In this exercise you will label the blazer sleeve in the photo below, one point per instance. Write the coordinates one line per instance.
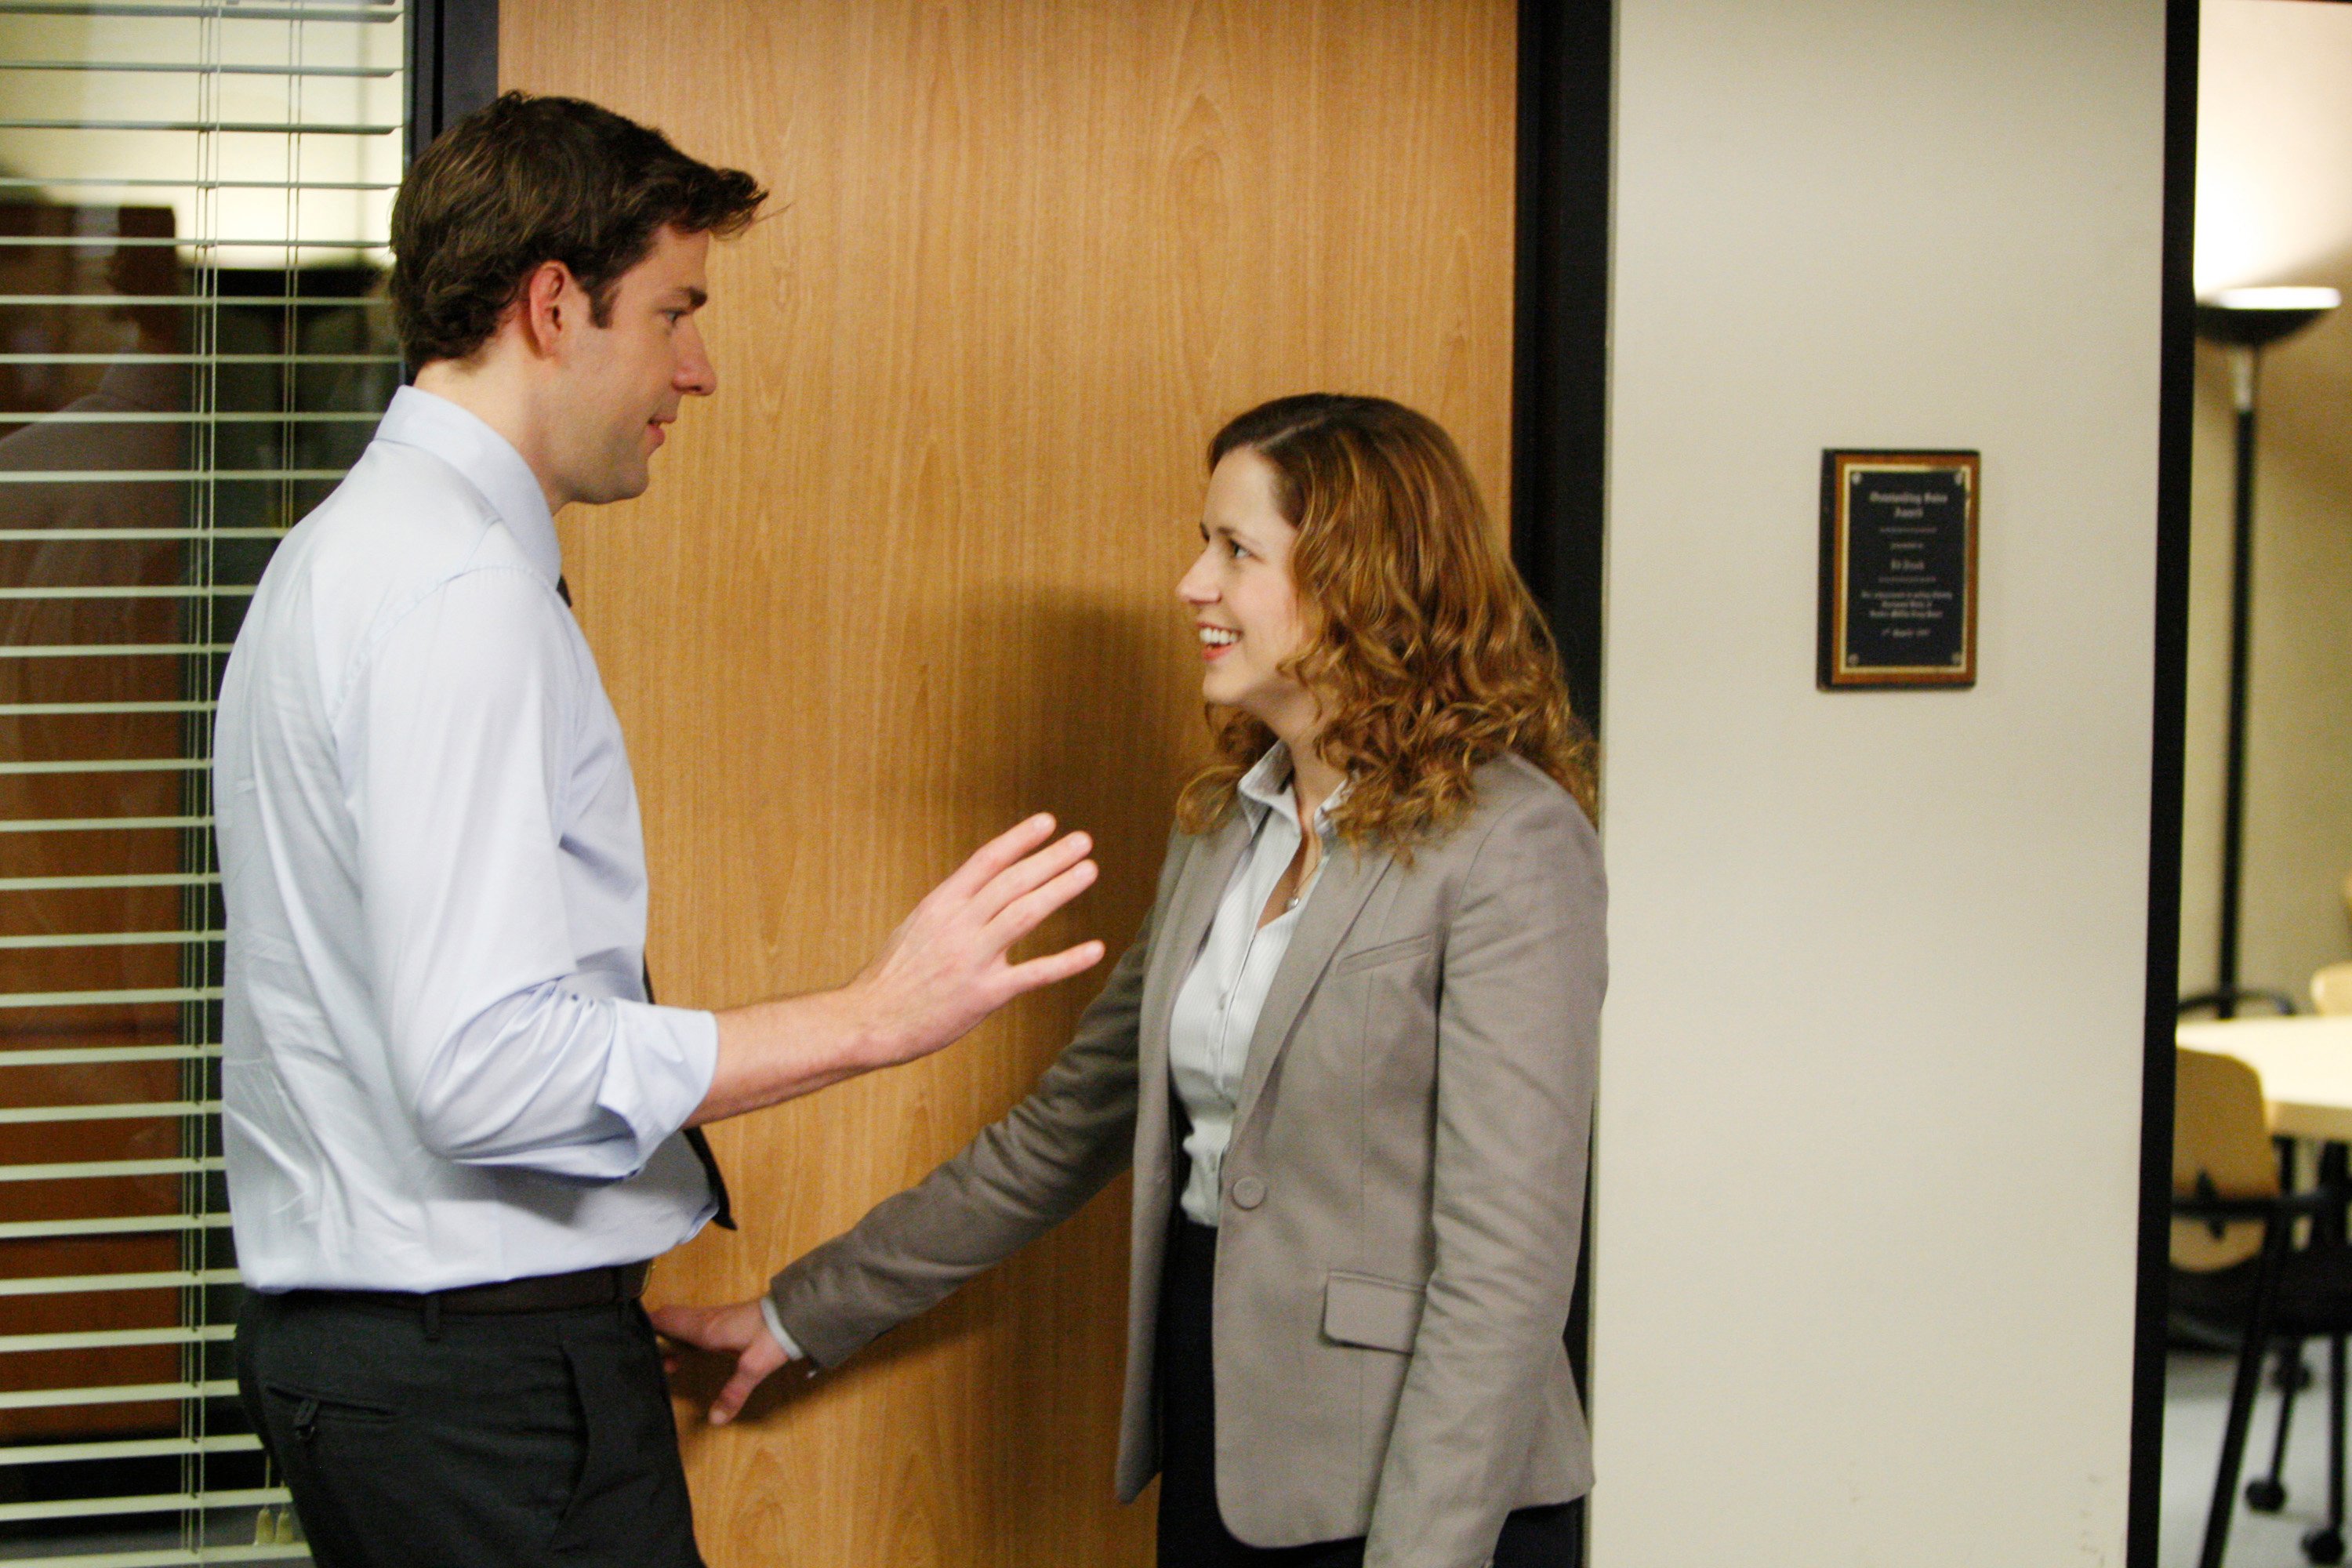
(1518, 1020)
(1020, 1177)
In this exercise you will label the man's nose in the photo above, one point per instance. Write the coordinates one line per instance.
(697, 377)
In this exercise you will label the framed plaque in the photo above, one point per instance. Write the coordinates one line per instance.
(1899, 601)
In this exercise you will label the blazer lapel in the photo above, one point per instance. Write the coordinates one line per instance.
(1347, 879)
(1191, 907)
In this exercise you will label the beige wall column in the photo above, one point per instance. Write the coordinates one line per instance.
(1871, 1066)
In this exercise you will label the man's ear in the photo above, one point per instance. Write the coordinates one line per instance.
(551, 302)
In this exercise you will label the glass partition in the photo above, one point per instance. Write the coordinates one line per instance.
(194, 205)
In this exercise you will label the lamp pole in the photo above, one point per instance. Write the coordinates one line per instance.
(2245, 371)
(2246, 320)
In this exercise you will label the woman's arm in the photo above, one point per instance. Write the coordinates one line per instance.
(1020, 1177)
(1517, 1023)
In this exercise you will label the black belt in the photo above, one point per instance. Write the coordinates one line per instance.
(540, 1293)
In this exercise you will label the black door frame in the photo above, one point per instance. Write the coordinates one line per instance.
(1561, 349)
(2174, 429)
(453, 64)
(1559, 383)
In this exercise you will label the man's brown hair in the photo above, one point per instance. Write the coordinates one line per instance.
(524, 181)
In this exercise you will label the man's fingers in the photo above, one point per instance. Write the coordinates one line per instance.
(1031, 873)
(997, 854)
(1053, 968)
(1023, 914)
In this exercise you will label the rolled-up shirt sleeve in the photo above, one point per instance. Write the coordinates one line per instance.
(456, 736)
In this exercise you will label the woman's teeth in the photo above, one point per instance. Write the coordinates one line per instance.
(1215, 636)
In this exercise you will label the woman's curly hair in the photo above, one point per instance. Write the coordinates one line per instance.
(1423, 646)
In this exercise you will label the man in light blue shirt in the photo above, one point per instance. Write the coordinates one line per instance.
(456, 1125)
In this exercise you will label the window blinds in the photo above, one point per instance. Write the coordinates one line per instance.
(194, 205)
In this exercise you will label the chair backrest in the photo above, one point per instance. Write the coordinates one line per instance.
(2331, 988)
(2221, 1134)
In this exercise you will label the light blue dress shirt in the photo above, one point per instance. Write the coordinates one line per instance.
(439, 1069)
(1217, 1007)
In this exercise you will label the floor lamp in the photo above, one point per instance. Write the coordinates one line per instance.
(2246, 321)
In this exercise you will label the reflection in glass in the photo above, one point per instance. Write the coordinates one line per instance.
(170, 403)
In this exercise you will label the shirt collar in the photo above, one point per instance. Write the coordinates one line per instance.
(489, 462)
(1266, 786)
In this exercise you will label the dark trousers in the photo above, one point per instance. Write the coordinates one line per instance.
(515, 1439)
(1193, 1532)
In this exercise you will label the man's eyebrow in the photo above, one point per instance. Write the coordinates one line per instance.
(695, 298)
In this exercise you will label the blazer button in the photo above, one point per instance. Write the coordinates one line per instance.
(1248, 1193)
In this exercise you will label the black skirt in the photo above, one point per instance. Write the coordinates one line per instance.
(1193, 1532)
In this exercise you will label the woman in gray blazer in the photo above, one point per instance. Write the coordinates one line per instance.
(1350, 1057)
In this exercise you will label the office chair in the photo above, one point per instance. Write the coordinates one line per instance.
(2331, 989)
(2238, 1275)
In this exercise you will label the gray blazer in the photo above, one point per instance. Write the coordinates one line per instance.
(1403, 1194)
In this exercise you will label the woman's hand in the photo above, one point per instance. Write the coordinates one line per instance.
(740, 1330)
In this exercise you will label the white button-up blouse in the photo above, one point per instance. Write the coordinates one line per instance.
(1218, 1005)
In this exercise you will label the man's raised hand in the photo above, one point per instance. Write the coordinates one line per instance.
(944, 968)
(942, 971)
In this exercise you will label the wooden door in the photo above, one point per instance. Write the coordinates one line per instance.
(910, 576)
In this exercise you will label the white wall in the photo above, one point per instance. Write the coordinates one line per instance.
(1870, 1080)
(2274, 205)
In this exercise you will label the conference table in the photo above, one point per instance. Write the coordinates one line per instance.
(2305, 1063)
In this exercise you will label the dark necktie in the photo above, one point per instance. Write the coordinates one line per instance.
(695, 1140)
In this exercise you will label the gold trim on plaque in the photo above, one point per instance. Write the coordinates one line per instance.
(1844, 470)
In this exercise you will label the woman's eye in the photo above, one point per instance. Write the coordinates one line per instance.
(1238, 550)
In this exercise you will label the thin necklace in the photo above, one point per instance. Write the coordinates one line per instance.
(1305, 872)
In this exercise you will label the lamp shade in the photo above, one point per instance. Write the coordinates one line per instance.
(2256, 317)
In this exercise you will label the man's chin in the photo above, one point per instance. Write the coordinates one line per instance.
(612, 488)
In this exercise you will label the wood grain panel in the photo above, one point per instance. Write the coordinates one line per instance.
(910, 575)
